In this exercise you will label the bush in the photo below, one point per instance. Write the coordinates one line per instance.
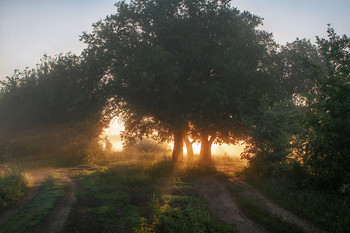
(13, 185)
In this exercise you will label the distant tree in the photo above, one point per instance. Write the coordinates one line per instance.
(181, 63)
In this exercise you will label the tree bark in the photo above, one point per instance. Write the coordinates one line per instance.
(205, 153)
(189, 148)
(177, 155)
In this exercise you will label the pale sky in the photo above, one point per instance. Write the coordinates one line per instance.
(31, 28)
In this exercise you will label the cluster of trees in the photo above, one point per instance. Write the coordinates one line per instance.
(194, 70)
(58, 107)
(184, 69)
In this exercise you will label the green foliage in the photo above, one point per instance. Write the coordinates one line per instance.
(57, 107)
(327, 143)
(38, 208)
(13, 185)
(273, 134)
(182, 67)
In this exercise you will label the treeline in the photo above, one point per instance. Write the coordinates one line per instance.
(58, 108)
(187, 71)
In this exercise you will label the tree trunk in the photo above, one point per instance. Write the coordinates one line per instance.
(205, 153)
(177, 155)
(189, 148)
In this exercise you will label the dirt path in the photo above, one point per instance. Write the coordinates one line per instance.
(38, 176)
(221, 205)
(275, 209)
(58, 216)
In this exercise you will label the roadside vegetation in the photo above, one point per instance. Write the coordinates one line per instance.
(39, 208)
(13, 186)
(327, 208)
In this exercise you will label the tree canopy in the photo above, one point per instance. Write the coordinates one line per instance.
(189, 66)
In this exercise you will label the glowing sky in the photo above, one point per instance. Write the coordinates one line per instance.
(31, 28)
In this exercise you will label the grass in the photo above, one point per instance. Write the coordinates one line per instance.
(141, 198)
(182, 211)
(110, 199)
(13, 185)
(328, 209)
(38, 208)
(258, 212)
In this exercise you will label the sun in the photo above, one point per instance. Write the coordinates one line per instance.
(113, 134)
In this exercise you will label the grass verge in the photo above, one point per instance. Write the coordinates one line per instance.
(328, 209)
(39, 208)
(256, 210)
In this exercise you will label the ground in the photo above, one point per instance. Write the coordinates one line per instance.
(143, 198)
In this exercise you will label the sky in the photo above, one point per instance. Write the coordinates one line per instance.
(31, 28)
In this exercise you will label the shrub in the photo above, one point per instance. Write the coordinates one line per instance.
(13, 185)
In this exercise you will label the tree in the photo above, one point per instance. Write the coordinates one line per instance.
(182, 63)
(59, 106)
(273, 137)
(327, 143)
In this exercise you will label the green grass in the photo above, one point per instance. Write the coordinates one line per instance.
(141, 198)
(13, 185)
(110, 200)
(38, 208)
(328, 209)
(182, 211)
(258, 212)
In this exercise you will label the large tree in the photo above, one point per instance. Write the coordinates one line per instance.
(189, 66)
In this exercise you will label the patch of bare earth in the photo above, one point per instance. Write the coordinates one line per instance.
(38, 176)
(58, 217)
(221, 205)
